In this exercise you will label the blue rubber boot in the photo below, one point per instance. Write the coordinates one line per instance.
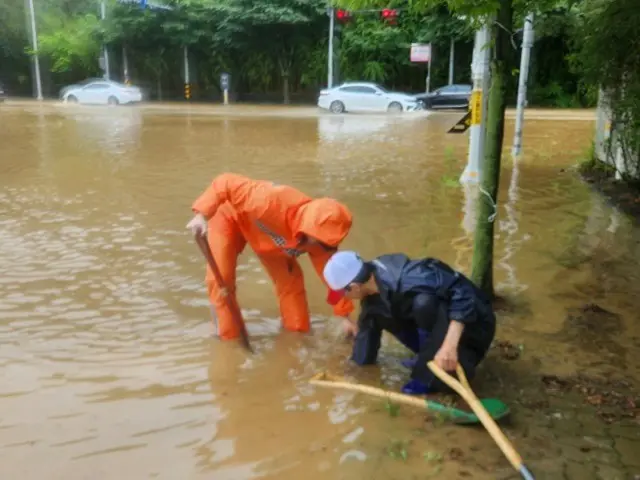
(415, 387)
(423, 336)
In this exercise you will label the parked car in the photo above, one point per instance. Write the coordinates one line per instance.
(100, 92)
(3, 95)
(450, 96)
(365, 97)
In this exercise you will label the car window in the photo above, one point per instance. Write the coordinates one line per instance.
(448, 89)
(463, 88)
(349, 89)
(368, 90)
(97, 86)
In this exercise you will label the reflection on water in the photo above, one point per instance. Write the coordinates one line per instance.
(107, 369)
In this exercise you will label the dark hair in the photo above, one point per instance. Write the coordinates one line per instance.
(364, 274)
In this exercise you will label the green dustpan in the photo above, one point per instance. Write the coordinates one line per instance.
(496, 409)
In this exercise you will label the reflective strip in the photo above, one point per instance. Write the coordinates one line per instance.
(379, 264)
(279, 241)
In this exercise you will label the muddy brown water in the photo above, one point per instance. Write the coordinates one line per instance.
(107, 370)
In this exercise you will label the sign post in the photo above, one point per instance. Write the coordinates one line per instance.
(421, 53)
(224, 85)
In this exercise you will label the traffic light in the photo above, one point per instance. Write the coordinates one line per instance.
(389, 15)
(343, 16)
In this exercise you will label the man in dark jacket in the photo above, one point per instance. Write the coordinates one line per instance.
(433, 310)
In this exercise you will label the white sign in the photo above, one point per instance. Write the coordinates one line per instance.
(421, 52)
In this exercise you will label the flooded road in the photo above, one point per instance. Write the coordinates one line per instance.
(107, 370)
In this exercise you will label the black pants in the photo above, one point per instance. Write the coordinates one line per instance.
(431, 314)
(474, 344)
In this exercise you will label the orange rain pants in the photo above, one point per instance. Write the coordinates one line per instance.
(272, 219)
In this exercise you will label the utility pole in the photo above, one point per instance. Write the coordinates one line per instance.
(478, 104)
(527, 43)
(125, 65)
(34, 46)
(187, 85)
(330, 53)
(452, 53)
(104, 46)
(428, 80)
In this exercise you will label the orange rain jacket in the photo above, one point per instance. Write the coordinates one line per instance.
(272, 218)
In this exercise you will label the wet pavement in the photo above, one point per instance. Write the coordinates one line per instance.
(106, 366)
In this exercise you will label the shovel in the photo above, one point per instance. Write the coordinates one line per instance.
(495, 407)
(463, 389)
(231, 303)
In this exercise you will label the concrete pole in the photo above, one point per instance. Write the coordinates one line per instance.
(428, 79)
(187, 84)
(104, 47)
(452, 53)
(330, 53)
(34, 46)
(527, 43)
(478, 105)
(125, 65)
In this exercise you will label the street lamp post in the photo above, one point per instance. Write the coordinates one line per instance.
(34, 46)
(330, 53)
(104, 47)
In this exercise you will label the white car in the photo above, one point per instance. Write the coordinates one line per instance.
(101, 92)
(365, 97)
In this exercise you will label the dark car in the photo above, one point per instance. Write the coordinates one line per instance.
(450, 96)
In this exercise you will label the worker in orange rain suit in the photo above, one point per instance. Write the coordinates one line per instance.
(279, 223)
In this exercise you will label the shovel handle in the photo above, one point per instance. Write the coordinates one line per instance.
(231, 303)
(489, 424)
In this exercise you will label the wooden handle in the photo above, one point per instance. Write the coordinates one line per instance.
(488, 422)
(463, 378)
(331, 381)
(231, 303)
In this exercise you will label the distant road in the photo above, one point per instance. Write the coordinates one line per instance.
(181, 108)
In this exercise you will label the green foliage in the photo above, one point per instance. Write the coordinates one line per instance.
(71, 42)
(266, 43)
(607, 43)
(392, 408)
(398, 449)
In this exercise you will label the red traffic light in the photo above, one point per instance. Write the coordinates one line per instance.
(343, 15)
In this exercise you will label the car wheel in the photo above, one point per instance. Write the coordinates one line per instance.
(395, 107)
(336, 106)
(113, 101)
(72, 99)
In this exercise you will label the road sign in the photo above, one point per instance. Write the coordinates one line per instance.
(463, 124)
(224, 81)
(420, 53)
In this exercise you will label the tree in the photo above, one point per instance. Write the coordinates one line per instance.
(608, 54)
(280, 29)
(499, 14)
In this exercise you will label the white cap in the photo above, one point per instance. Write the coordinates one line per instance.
(342, 268)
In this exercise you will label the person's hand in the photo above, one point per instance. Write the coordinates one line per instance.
(198, 225)
(350, 328)
(447, 358)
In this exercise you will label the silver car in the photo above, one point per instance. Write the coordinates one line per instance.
(101, 92)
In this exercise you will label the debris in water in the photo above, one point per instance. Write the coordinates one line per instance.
(455, 453)
(613, 398)
(508, 350)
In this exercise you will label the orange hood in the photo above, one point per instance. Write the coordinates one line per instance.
(325, 220)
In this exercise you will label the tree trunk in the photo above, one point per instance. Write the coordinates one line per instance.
(159, 87)
(482, 263)
(285, 88)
